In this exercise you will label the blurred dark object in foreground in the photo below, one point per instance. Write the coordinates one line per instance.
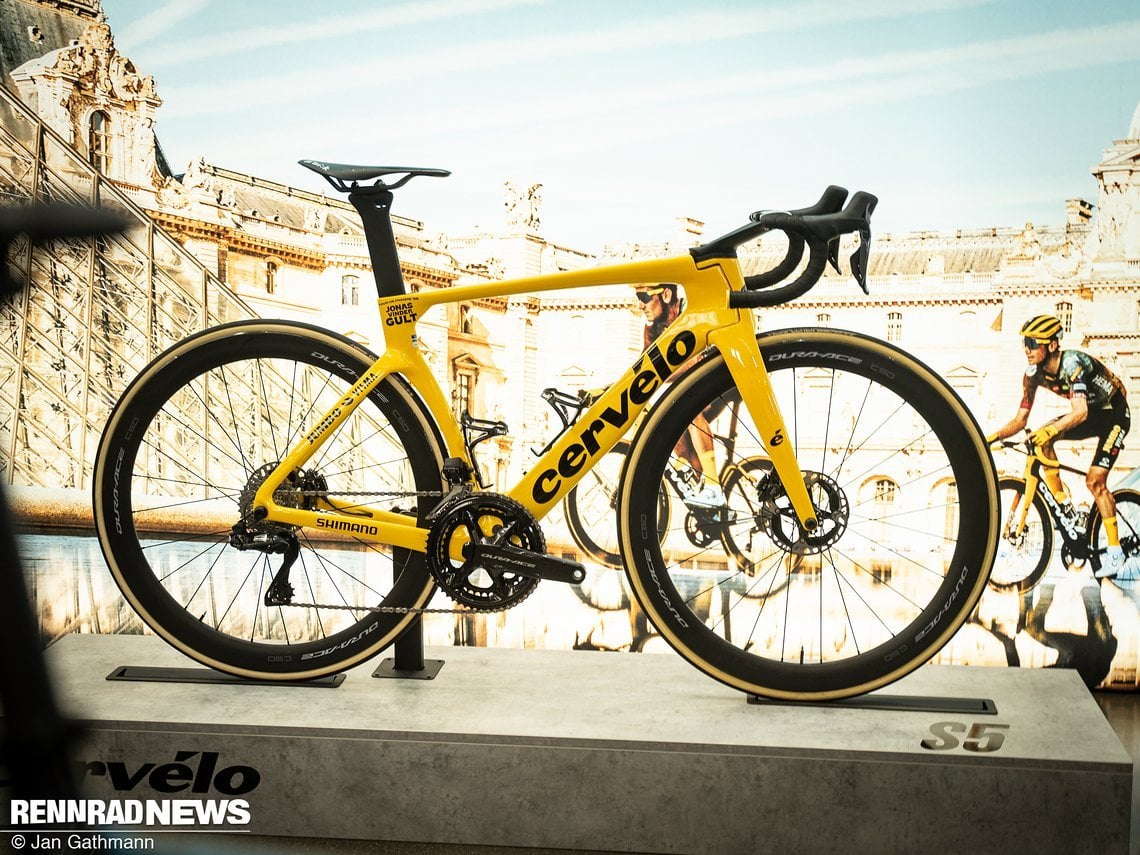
(36, 736)
(46, 222)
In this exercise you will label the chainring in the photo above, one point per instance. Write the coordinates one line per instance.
(481, 518)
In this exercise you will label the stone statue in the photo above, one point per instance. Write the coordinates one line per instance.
(512, 203)
(534, 204)
(523, 206)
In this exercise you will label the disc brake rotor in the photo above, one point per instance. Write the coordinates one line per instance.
(778, 517)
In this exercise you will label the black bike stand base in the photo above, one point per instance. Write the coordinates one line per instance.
(895, 703)
(427, 670)
(146, 674)
(409, 662)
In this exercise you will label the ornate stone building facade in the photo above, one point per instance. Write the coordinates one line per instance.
(954, 298)
(212, 244)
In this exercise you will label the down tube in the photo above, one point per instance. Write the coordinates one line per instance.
(607, 421)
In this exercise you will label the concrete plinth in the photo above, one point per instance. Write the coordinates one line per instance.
(604, 751)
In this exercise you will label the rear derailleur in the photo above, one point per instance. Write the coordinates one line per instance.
(271, 541)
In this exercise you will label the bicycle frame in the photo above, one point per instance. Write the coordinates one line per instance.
(1033, 463)
(706, 320)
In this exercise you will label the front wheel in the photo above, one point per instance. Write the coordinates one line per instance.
(181, 458)
(896, 466)
(1024, 550)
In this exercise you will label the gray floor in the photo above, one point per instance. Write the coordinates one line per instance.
(80, 670)
(1122, 709)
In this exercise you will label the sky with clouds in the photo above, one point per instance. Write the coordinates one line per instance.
(632, 113)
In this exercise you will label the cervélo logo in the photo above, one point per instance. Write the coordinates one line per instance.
(191, 771)
(646, 380)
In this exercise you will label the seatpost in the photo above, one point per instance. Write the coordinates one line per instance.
(374, 205)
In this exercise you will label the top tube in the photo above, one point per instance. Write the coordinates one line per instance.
(819, 226)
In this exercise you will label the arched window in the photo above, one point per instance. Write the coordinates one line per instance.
(99, 141)
(271, 277)
(879, 496)
(466, 375)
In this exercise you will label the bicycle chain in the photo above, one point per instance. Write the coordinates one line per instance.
(326, 493)
(396, 610)
(388, 610)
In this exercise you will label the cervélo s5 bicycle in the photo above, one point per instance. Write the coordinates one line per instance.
(281, 503)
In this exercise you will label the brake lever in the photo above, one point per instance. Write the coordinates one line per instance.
(833, 253)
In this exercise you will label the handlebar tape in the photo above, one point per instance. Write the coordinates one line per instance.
(818, 232)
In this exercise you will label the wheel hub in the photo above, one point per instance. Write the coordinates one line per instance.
(778, 517)
(252, 533)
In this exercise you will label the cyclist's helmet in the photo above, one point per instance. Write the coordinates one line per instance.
(1042, 328)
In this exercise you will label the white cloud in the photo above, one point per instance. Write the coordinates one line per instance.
(633, 115)
(158, 22)
(687, 29)
(347, 27)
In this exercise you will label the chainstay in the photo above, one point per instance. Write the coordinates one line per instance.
(388, 610)
(324, 494)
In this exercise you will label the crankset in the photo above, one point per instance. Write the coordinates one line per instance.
(487, 552)
(702, 526)
(1074, 556)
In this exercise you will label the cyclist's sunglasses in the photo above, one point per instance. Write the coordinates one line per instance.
(648, 294)
(1032, 343)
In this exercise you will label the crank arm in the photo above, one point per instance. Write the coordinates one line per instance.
(511, 559)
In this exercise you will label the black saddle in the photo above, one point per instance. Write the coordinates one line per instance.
(346, 177)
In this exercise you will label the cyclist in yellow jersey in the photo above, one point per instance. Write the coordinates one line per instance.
(1098, 407)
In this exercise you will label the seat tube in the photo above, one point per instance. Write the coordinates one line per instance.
(1032, 479)
(737, 344)
(375, 208)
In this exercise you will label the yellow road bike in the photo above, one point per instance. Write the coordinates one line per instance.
(1031, 518)
(279, 502)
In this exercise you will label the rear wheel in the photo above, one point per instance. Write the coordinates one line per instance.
(1127, 526)
(180, 460)
(907, 497)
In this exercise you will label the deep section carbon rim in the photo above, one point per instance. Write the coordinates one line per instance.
(907, 501)
(183, 455)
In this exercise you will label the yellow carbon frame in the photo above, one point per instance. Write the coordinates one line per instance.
(706, 320)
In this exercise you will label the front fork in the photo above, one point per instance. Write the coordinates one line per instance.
(737, 344)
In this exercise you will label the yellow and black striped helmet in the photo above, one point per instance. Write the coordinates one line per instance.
(1042, 328)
